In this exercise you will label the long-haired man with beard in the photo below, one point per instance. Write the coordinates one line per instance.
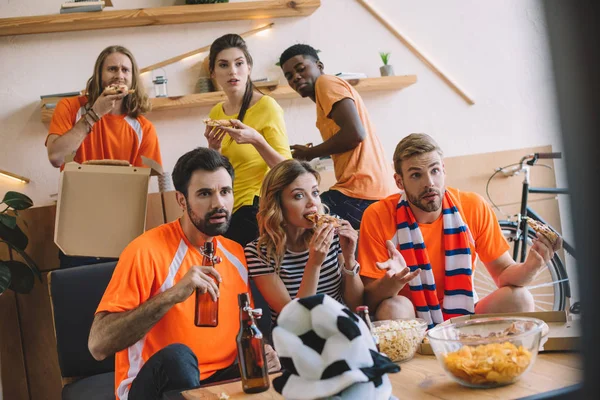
(106, 123)
(146, 315)
(418, 248)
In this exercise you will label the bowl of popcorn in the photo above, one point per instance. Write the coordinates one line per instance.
(399, 338)
(487, 352)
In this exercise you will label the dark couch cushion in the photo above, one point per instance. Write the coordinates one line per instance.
(97, 387)
(264, 323)
(76, 293)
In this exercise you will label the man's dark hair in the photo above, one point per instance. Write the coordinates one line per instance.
(200, 158)
(298, 50)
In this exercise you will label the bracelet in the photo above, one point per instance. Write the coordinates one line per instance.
(93, 114)
(353, 271)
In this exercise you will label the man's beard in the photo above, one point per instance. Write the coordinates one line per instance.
(426, 205)
(204, 225)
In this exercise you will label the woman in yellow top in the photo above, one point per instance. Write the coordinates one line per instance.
(256, 142)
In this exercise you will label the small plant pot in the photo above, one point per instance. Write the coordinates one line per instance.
(386, 70)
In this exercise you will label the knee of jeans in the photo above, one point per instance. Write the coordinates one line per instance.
(176, 353)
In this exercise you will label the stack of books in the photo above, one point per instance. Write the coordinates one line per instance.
(76, 6)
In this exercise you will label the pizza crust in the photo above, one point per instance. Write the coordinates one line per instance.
(117, 89)
(321, 219)
(218, 122)
(543, 229)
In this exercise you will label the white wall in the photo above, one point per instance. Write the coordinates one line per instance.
(496, 50)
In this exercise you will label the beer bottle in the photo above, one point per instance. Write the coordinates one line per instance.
(363, 313)
(207, 310)
(251, 349)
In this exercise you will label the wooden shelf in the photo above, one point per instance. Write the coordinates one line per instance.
(277, 92)
(157, 16)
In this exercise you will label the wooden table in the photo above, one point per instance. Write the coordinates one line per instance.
(423, 378)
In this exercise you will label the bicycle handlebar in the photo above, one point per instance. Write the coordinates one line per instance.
(549, 155)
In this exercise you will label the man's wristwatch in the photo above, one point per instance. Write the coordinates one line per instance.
(353, 271)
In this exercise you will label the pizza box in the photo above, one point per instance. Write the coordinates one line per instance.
(102, 208)
(564, 334)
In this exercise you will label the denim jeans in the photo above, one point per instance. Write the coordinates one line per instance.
(349, 208)
(174, 368)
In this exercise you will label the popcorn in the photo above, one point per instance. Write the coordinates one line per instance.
(399, 339)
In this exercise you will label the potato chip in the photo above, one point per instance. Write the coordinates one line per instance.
(488, 364)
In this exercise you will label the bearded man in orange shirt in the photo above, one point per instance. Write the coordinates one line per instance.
(104, 124)
(146, 315)
(418, 248)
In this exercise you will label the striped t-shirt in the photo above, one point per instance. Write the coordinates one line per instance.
(292, 270)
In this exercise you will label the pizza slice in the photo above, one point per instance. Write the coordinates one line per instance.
(218, 122)
(320, 219)
(117, 89)
(537, 226)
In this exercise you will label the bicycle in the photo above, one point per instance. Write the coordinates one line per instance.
(550, 288)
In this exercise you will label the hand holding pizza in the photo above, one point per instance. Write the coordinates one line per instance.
(214, 132)
(107, 101)
(242, 133)
(543, 248)
(319, 244)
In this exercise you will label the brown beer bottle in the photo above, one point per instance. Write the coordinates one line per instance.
(251, 349)
(363, 313)
(207, 310)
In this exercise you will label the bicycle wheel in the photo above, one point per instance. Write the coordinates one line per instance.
(547, 298)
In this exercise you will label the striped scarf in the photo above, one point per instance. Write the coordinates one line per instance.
(458, 293)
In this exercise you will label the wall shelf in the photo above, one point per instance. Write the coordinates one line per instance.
(280, 92)
(182, 14)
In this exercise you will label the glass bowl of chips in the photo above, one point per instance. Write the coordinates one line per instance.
(487, 352)
(399, 338)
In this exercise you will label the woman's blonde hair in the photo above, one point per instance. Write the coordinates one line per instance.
(271, 222)
(134, 104)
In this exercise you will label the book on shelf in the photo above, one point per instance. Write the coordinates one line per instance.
(77, 4)
(93, 8)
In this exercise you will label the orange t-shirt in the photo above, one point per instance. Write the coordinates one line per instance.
(362, 172)
(379, 224)
(114, 137)
(155, 262)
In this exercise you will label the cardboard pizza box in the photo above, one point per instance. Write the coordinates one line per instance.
(564, 334)
(102, 208)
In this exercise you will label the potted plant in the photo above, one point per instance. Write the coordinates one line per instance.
(385, 69)
(16, 275)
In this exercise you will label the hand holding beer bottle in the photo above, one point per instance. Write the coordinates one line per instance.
(207, 307)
